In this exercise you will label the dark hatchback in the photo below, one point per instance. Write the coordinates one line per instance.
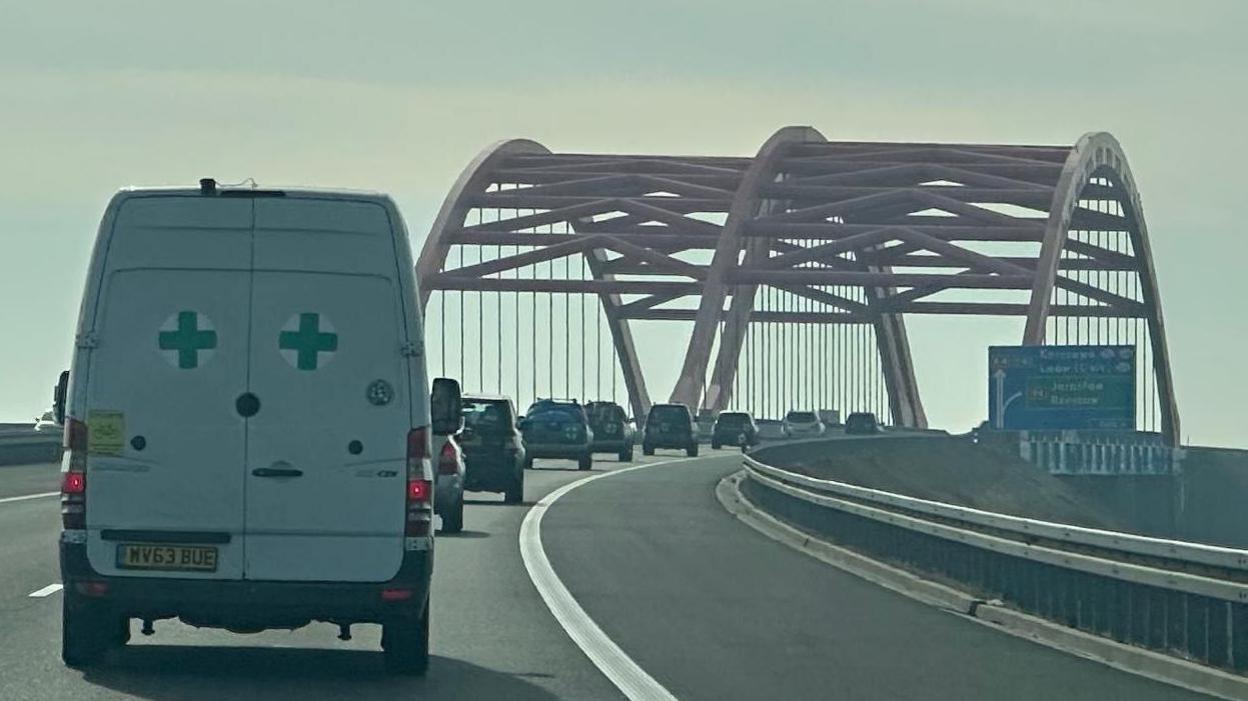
(734, 428)
(862, 423)
(558, 429)
(612, 431)
(669, 426)
(494, 454)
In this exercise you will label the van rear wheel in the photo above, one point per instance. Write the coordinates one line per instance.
(585, 462)
(405, 643)
(88, 630)
(692, 451)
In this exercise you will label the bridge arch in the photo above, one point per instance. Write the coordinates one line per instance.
(821, 237)
(1097, 162)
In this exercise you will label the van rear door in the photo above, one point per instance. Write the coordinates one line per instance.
(326, 449)
(167, 358)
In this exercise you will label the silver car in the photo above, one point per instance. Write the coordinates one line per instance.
(448, 485)
(47, 423)
(803, 424)
(448, 490)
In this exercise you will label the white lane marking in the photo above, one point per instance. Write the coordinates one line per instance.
(25, 497)
(624, 673)
(46, 591)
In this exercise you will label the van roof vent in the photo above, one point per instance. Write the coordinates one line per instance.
(207, 186)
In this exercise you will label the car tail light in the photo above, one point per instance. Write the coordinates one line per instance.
(396, 594)
(419, 486)
(74, 477)
(448, 461)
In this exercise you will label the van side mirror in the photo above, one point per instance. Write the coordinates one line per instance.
(58, 397)
(446, 407)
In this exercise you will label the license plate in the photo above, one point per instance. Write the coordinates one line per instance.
(149, 556)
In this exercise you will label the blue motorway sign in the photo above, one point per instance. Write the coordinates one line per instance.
(1061, 387)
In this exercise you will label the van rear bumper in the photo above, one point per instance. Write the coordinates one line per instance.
(251, 605)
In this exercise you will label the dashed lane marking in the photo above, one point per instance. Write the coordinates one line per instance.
(46, 591)
(25, 497)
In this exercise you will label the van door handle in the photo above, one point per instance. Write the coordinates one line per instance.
(277, 472)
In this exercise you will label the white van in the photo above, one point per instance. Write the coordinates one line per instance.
(248, 421)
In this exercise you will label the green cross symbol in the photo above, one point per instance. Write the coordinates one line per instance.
(308, 341)
(188, 340)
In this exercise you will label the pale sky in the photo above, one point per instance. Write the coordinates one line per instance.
(398, 96)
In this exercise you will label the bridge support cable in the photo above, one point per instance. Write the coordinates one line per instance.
(461, 321)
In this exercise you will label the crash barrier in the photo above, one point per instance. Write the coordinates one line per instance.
(21, 446)
(1100, 452)
(1179, 598)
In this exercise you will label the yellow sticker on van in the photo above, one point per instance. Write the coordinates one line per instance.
(106, 432)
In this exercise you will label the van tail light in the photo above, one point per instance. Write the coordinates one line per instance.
(448, 460)
(74, 483)
(418, 453)
(419, 484)
(418, 490)
(92, 588)
(74, 477)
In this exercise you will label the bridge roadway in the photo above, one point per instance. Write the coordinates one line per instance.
(710, 608)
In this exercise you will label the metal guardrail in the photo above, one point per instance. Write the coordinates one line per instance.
(24, 445)
(1100, 452)
(1127, 544)
(1187, 599)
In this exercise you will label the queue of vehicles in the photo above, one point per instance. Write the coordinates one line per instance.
(494, 446)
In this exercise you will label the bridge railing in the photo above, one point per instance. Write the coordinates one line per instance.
(1186, 599)
(1100, 453)
(22, 444)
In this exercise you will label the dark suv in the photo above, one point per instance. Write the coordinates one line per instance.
(493, 447)
(612, 431)
(862, 423)
(734, 428)
(669, 426)
(555, 428)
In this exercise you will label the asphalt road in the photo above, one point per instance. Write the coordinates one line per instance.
(707, 606)
(20, 480)
(493, 637)
(714, 610)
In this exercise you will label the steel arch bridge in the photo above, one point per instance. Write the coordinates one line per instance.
(795, 268)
